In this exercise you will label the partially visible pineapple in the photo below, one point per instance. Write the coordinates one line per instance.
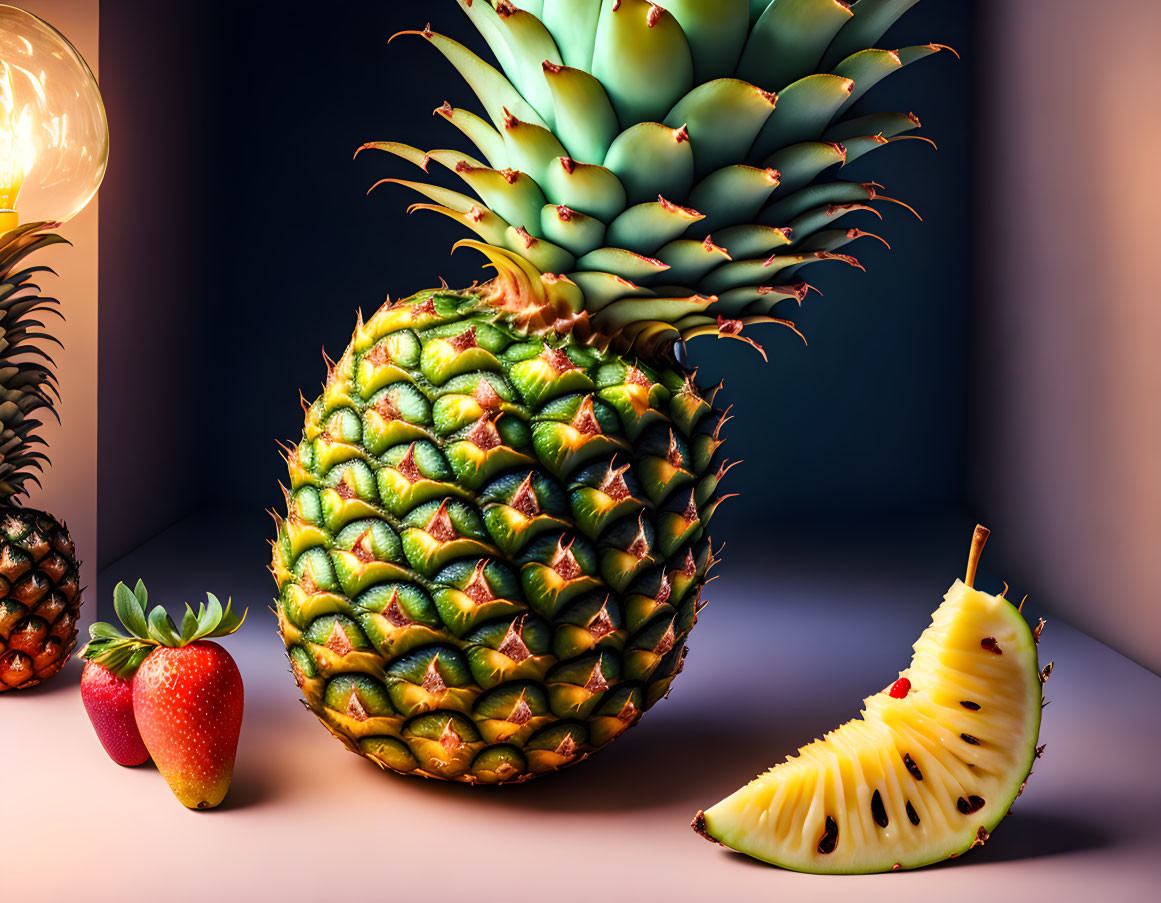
(40, 595)
(495, 540)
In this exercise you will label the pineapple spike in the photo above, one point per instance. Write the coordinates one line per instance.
(860, 233)
(883, 197)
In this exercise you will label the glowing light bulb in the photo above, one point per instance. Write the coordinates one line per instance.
(54, 138)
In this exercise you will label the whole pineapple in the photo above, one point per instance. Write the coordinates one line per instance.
(495, 540)
(40, 594)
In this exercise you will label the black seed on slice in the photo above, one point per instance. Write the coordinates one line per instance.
(989, 643)
(912, 814)
(974, 706)
(878, 813)
(970, 805)
(829, 838)
(912, 767)
(968, 738)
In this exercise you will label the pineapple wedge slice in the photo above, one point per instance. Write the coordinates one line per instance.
(928, 770)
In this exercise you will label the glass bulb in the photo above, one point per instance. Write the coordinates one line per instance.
(54, 139)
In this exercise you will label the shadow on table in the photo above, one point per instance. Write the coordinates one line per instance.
(1028, 835)
(1032, 835)
(663, 762)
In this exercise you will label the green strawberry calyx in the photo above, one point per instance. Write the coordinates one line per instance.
(123, 653)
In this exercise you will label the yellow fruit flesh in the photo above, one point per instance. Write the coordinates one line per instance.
(782, 816)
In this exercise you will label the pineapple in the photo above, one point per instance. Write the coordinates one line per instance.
(495, 542)
(40, 594)
(929, 770)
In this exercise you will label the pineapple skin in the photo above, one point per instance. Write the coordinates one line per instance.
(495, 544)
(40, 597)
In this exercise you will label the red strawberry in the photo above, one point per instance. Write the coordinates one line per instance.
(188, 703)
(181, 694)
(108, 699)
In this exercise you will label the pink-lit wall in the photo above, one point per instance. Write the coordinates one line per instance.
(1069, 439)
(70, 484)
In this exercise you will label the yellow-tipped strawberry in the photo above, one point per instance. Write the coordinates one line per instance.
(187, 694)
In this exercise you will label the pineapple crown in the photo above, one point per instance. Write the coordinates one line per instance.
(27, 382)
(651, 174)
(123, 653)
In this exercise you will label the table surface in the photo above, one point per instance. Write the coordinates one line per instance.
(775, 660)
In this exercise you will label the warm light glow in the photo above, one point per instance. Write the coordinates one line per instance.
(54, 140)
(17, 152)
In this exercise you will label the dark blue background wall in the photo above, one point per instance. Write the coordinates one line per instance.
(235, 125)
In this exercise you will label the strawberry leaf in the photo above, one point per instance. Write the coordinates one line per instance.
(161, 628)
(229, 621)
(211, 616)
(189, 626)
(103, 631)
(130, 610)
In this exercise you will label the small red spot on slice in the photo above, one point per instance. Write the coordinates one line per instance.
(900, 688)
(989, 643)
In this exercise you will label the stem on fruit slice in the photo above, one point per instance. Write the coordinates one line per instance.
(979, 538)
